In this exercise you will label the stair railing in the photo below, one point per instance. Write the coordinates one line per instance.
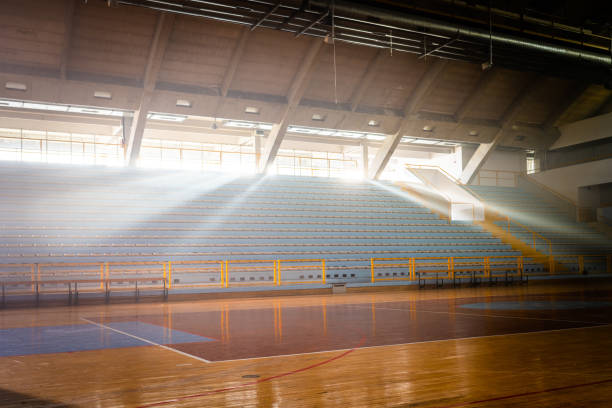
(534, 234)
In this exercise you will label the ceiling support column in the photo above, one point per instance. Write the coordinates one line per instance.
(426, 84)
(364, 158)
(156, 55)
(296, 91)
(483, 151)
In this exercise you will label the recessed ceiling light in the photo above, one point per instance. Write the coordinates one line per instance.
(428, 128)
(16, 86)
(103, 95)
(318, 117)
(473, 133)
(252, 110)
(373, 123)
(183, 103)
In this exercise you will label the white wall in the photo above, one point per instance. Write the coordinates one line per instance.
(510, 161)
(567, 180)
(464, 206)
(506, 160)
(585, 130)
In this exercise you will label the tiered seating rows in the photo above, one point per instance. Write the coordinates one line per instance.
(67, 214)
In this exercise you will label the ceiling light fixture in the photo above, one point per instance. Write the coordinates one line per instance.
(103, 95)
(318, 117)
(16, 86)
(183, 103)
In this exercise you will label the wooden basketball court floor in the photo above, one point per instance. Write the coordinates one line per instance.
(526, 346)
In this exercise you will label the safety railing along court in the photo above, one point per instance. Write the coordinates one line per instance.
(109, 277)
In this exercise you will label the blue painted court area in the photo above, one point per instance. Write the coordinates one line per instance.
(82, 337)
(538, 305)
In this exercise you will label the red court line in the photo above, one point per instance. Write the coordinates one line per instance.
(220, 390)
(525, 394)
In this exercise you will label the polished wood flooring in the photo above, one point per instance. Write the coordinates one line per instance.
(520, 346)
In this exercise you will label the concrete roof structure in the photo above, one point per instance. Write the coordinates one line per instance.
(134, 58)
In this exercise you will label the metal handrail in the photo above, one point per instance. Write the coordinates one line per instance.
(534, 234)
(448, 265)
(509, 220)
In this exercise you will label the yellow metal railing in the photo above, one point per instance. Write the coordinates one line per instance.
(451, 268)
(509, 221)
(418, 268)
(583, 263)
(504, 178)
(225, 273)
(533, 233)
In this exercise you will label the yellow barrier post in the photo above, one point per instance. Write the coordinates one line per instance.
(222, 274)
(487, 266)
(451, 268)
(226, 274)
(278, 272)
(274, 271)
(412, 268)
(323, 269)
(101, 275)
(372, 268)
(551, 265)
(169, 274)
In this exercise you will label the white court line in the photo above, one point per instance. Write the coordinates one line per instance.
(416, 342)
(484, 315)
(146, 341)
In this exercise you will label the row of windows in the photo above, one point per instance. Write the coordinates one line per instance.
(56, 147)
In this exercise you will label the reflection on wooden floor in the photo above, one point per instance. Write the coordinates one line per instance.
(536, 346)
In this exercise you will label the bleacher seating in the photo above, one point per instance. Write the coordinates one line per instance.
(540, 214)
(59, 213)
